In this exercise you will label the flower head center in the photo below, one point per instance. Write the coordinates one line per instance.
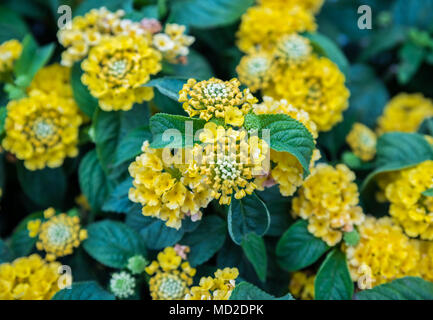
(172, 287)
(258, 65)
(43, 129)
(227, 168)
(59, 234)
(216, 90)
(295, 47)
(117, 68)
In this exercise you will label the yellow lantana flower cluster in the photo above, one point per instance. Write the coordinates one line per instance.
(229, 161)
(384, 253)
(317, 87)
(287, 171)
(116, 70)
(173, 42)
(219, 287)
(166, 190)
(264, 24)
(216, 98)
(405, 113)
(53, 78)
(312, 5)
(42, 129)
(409, 207)
(171, 277)
(329, 200)
(58, 235)
(258, 67)
(29, 278)
(89, 30)
(362, 140)
(301, 285)
(10, 51)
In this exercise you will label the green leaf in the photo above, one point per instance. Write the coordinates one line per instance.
(397, 151)
(88, 290)
(407, 288)
(196, 67)
(298, 248)
(130, 146)
(414, 13)
(167, 105)
(255, 250)
(168, 86)
(368, 95)
(85, 101)
(93, 182)
(248, 291)
(351, 238)
(32, 59)
(118, 200)
(3, 115)
(206, 240)
(174, 131)
(5, 252)
(428, 193)
(247, 215)
(11, 25)
(326, 47)
(411, 58)
(278, 207)
(156, 234)
(46, 187)
(21, 243)
(206, 14)
(333, 281)
(289, 135)
(112, 243)
(426, 127)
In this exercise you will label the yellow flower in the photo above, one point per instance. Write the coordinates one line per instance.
(53, 78)
(58, 235)
(42, 129)
(116, 70)
(218, 288)
(329, 200)
(312, 5)
(170, 277)
(29, 278)
(287, 171)
(409, 207)
(362, 140)
(215, 98)
(405, 113)
(256, 70)
(293, 50)
(383, 254)
(166, 190)
(316, 87)
(10, 51)
(173, 43)
(92, 28)
(229, 161)
(263, 25)
(302, 285)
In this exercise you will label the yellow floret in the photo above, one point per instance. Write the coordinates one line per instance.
(173, 43)
(58, 235)
(219, 287)
(302, 285)
(383, 254)
(263, 25)
(362, 140)
(329, 199)
(217, 98)
(170, 276)
(10, 51)
(116, 70)
(405, 113)
(317, 87)
(29, 278)
(312, 5)
(256, 70)
(53, 78)
(293, 50)
(167, 191)
(42, 129)
(409, 207)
